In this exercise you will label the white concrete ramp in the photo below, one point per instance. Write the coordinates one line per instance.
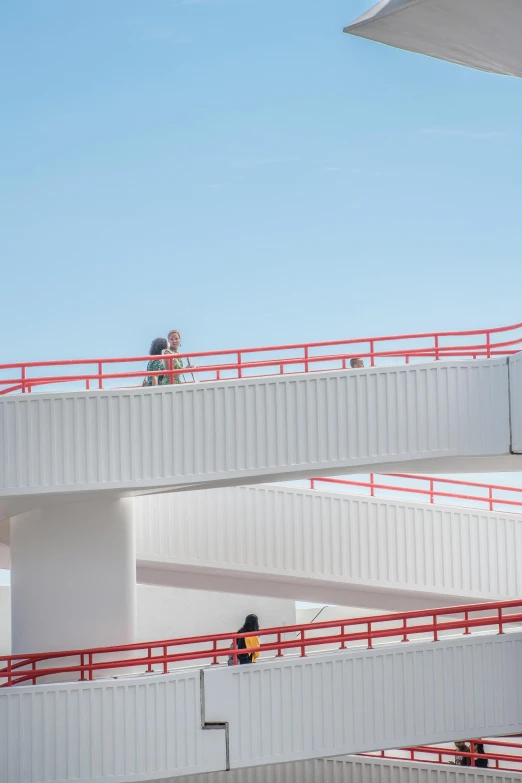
(355, 769)
(446, 416)
(286, 710)
(311, 545)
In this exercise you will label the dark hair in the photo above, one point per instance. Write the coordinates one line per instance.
(354, 361)
(479, 747)
(157, 346)
(251, 624)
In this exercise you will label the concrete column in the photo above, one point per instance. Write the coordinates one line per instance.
(73, 577)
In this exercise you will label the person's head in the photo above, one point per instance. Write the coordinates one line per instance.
(174, 338)
(461, 745)
(356, 363)
(479, 747)
(251, 624)
(157, 346)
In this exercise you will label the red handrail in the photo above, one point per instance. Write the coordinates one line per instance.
(431, 491)
(399, 627)
(231, 363)
(496, 759)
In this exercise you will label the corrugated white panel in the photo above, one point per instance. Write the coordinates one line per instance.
(335, 547)
(354, 770)
(407, 694)
(135, 730)
(515, 396)
(244, 430)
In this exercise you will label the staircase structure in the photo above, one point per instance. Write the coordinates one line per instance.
(169, 484)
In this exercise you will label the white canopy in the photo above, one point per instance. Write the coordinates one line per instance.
(482, 34)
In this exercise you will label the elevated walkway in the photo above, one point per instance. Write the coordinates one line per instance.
(328, 546)
(355, 769)
(439, 687)
(447, 416)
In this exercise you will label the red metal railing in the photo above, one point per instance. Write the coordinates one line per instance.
(280, 359)
(336, 634)
(429, 489)
(500, 759)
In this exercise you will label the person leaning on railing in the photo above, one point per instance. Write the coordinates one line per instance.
(157, 347)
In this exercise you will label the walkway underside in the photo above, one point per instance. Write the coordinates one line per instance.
(438, 417)
(311, 545)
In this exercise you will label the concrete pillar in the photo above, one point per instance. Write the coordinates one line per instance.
(73, 577)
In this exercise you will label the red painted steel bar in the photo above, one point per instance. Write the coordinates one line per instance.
(213, 363)
(430, 624)
(496, 758)
(431, 490)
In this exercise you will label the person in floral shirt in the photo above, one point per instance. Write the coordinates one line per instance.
(157, 347)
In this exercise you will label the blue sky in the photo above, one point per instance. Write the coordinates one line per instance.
(245, 172)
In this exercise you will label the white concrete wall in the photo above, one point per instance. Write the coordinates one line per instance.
(244, 431)
(312, 545)
(396, 696)
(167, 613)
(119, 731)
(515, 396)
(149, 727)
(5, 620)
(354, 770)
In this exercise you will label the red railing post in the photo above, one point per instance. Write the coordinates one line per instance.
(82, 664)
(488, 345)
(472, 751)
(306, 358)
(432, 500)
(23, 379)
(372, 353)
(437, 355)
(370, 640)
(239, 367)
(303, 643)
(466, 620)
(343, 642)
(214, 647)
(435, 629)
(279, 651)
(90, 666)
(149, 656)
(500, 623)
(490, 497)
(100, 375)
(165, 664)
(170, 367)
(372, 482)
(404, 625)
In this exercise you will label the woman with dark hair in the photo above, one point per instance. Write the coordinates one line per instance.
(251, 625)
(156, 349)
(479, 749)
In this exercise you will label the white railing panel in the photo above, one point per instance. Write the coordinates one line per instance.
(244, 431)
(119, 731)
(313, 545)
(336, 704)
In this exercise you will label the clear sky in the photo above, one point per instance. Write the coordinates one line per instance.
(245, 172)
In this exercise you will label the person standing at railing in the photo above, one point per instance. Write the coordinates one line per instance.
(462, 761)
(157, 347)
(479, 750)
(356, 363)
(251, 626)
(174, 341)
